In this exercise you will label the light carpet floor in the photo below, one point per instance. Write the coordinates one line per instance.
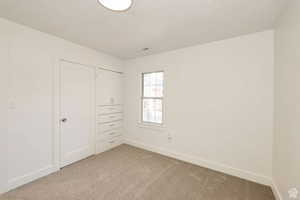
(129, 173)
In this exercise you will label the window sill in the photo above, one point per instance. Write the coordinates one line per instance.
(155, 127)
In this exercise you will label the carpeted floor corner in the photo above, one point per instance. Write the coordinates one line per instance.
(129, 173)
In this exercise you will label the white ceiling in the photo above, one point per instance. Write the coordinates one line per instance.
(160, 25)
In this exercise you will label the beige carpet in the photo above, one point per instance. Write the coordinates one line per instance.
(128, 173)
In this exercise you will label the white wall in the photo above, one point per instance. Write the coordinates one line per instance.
(287, 101)
(32, 59)
(219, 105)
(5, 89)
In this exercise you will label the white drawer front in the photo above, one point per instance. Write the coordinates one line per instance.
(113, 133)
(108, 134)
(108, 126)
(116, 141)
(109, 117)
(109, 109)
(106, 144)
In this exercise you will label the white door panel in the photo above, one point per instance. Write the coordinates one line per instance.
(77, 108)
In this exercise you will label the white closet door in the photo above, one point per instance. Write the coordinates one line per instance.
(117, 88)
(77, 112)
(109, 88)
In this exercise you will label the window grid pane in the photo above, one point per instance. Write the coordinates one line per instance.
(152, 102)
(152, 110)
(153, 84)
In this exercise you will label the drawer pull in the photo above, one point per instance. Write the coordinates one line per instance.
(112, 125)
(112, 133)
(112, 116)
(112, 142)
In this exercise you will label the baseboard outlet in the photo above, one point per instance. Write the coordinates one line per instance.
(27, 178)
(206, 163)
(276, 191)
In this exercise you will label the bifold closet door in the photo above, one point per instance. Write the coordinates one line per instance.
(109, 88)
(77, 104)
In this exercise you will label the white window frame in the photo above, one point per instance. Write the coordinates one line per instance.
(152, 124)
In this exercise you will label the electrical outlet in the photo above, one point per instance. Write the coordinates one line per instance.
(170, 138)
(293, 193)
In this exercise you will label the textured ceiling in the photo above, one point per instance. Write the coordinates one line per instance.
(160, 25)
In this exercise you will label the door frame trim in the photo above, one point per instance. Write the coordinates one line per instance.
(96, 67)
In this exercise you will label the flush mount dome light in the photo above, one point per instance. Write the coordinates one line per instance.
(116, 5)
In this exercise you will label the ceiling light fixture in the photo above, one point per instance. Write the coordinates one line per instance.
(116, 5)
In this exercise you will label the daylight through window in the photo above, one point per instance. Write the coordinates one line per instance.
(152, 97)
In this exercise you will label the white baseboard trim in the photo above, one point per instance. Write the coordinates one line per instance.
(3, 190)
(206, 163)
(27, 178)
(276, 191)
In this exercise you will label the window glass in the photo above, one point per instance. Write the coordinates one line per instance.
(152, 97)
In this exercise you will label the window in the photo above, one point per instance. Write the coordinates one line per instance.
(152, 97)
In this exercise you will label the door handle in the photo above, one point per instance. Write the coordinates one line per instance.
(64, 120)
